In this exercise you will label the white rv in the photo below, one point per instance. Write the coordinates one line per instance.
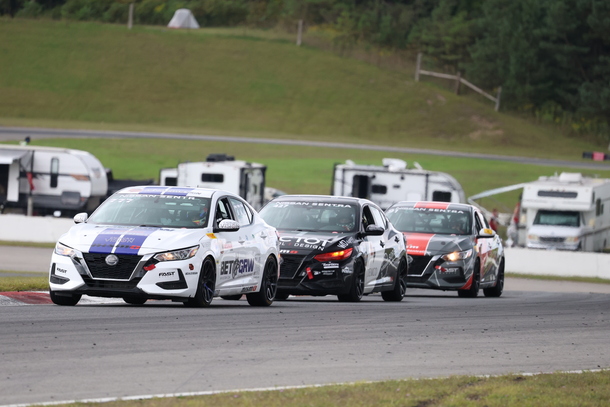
(393, 182)
(43, 180)
(568, 212)
(220, 171)
(563, 212)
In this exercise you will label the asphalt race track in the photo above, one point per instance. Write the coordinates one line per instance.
(50, 353)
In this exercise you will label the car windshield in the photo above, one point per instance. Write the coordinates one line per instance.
(311, 216)
(153, 210)
(431, 220)
(557, 218)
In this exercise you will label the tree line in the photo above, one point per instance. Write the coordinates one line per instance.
(551, 57)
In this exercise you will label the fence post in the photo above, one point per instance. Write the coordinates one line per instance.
(299, 33)
(417, 66)
(458, 82)
(130, 20)
(498, 98)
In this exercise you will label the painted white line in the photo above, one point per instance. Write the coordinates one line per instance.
(212, 392)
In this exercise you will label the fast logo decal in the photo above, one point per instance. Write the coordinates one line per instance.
(417, 243)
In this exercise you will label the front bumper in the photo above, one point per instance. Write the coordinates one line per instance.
(300, 276)
(132, 276)
(433, 272)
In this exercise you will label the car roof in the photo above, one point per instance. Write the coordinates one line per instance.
(433, 205)
(173, 191)
(324, 198)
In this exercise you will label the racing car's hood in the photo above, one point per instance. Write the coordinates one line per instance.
(424, 244)
(128, 239)
(304, 243)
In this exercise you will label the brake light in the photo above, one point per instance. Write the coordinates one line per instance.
(334, 256)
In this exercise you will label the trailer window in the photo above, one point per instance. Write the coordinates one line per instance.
(599, 207)
(441, 196)
(54, 171)
(558, 194)
(557, 218)
(212, 178)
(379, 189)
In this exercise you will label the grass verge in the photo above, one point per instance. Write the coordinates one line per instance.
(594, 280)
(559, 389)
(38, 282)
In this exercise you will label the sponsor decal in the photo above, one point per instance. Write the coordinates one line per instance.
(304, 242)
(417, 243)
(60, 270)
(344, 243)
(167, 273)
(190, 273)
(238, 266)
(283, 204)
(249, 289)
(286, 251)
(120, 241)
(211, 235)
(432, 205)
(178, 191)
(346, 270)
(330, 265)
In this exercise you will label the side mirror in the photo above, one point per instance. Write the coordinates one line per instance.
(486, 233)
(81, 217)
(227, 225)
(374, 230)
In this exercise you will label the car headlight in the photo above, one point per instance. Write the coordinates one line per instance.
(181, 254)
(533, 238)
(572, 239)
(455, 256)
(64, 250)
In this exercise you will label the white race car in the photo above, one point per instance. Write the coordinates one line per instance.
(169, 243)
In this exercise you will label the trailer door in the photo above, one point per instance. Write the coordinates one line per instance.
(9, 174)
(361, 186)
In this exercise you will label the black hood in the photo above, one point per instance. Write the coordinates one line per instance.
(305, 243)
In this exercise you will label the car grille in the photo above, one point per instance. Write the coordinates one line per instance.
(548, 239)
(96, 263)
(290, 265)
(418, 265)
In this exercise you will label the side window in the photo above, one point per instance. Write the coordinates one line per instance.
(223, 210)
(379, 218)
(479, 222)
(367, 217)
(54, 171)
(242, 212)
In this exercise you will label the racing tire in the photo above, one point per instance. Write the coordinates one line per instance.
(235, 297)
(133, 300)
(356, 290)
(205, 287)
(265, 296)
(400, 284)
(69, 300)
(473, 291)
(499, 287)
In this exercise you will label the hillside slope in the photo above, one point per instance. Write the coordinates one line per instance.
(68, 74)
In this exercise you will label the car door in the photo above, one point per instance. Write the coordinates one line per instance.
(374, 247)
(488, 250)
(251, 238)
(233, 260)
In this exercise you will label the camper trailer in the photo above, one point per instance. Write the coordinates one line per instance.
(393, 182)
(562, 212)
(43, 180)
(222, 172)
(567, 212)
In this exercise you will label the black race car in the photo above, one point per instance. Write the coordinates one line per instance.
(450, 246)
(336, 246)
